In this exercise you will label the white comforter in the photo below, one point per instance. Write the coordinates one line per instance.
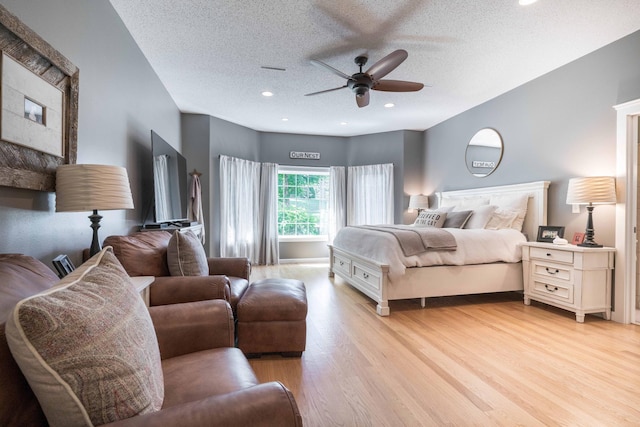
(477, 246)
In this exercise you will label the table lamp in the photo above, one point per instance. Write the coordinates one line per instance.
(418, 202)
(589, 191)
(84, 187)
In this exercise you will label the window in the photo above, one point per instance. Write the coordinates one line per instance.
(303, 203)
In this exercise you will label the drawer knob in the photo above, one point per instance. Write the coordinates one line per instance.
(548, 254)
(551, 271)
(365, 275)
(551, 288)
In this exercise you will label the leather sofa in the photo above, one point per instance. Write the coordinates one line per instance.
(145, 254)
(207, 381)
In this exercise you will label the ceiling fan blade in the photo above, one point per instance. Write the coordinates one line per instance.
(330, 68)
(363, 100)
(325, 91)
(387, 64)
(397, 86)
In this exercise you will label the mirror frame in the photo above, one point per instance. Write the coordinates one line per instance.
(468, 161)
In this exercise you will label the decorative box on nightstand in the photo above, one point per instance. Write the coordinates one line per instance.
(572, 277)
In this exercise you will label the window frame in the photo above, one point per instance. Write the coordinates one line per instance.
(303, 170)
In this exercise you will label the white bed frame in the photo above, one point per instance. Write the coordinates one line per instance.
(371, 277)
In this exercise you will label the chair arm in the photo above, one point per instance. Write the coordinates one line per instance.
(193, 326)
(237, 267)
(179, 289)
(269, 404)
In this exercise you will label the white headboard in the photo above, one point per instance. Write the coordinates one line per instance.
(536, 209)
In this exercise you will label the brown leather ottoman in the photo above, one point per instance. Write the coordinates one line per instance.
(272, 318)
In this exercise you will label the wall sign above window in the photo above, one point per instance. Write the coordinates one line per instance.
(304, 155)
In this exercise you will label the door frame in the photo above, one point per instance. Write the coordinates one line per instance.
(626, 211)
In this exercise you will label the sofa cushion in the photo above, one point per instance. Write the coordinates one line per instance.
(87, 346)
(143, 253)
(186, 256)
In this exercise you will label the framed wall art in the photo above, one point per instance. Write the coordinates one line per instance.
(38, 107)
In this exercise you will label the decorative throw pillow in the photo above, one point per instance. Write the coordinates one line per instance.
(457, 219)
(186, 256)
(501, 219)
(88, 348)
(480, 217)
(516, 203)
(430, 218)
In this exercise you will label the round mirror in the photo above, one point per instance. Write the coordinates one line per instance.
(484, 152)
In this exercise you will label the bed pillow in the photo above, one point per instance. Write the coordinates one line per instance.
(457, 219)
(480, 217)
(87, 346)
(502, 218)
(511, 203)
(186, 255)
(430, 218)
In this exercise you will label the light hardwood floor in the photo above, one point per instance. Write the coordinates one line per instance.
(481, 360)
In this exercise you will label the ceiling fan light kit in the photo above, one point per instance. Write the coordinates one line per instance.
(361, 82)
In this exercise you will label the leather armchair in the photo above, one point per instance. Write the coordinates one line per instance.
(145, 254)
(208, 382)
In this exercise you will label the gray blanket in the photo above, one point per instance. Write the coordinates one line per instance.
(415, 240)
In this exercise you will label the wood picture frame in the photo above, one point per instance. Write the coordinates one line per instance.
(546, 233)
(23, 164)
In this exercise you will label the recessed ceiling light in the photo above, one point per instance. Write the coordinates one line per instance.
(526, 2)
(343, 123)
(267, 93)
(389, 105)
(284, 119)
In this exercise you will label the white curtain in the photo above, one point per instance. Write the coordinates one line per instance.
(267, 243)
(239, 207)
(194, 208)
(161, 187)
(337, 199)
(370, 194)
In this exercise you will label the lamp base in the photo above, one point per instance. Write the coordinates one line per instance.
(590, 245)
(588, 240)
(95, 224)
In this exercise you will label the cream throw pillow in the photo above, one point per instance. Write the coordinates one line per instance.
(430, 218)
(481, 216)
(510, 204)
(186, 256)
(88, 348)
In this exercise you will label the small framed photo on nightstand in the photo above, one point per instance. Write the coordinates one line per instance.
(546, 233)
(63, 265)
(577, 238)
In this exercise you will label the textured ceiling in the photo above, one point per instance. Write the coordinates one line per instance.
(209, 54)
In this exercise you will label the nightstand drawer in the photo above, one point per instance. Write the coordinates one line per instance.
(556, 291)
(555, 271)
(342, 265)
(552, 255)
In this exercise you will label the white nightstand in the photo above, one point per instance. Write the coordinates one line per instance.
(572, 277)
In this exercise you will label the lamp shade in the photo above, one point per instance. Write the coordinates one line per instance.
(594, 189)
(83, 187)
(419, 202)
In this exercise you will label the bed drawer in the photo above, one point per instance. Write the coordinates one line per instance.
(342, 265)
(366, 277)
(554, 271)
(554, 291)
(556, 255)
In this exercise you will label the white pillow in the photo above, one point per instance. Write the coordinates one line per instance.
(517, 203)
(501, 219)
(430, 218)
(480, 217)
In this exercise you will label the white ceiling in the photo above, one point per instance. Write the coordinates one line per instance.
(209, 53)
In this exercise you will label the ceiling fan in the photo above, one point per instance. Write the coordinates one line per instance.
(360, 83)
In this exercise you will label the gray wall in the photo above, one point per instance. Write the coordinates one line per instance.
(559, 126)
(121, 100)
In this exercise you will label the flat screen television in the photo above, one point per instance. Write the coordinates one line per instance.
(169, 181)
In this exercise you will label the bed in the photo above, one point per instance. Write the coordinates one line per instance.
(377, 279)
